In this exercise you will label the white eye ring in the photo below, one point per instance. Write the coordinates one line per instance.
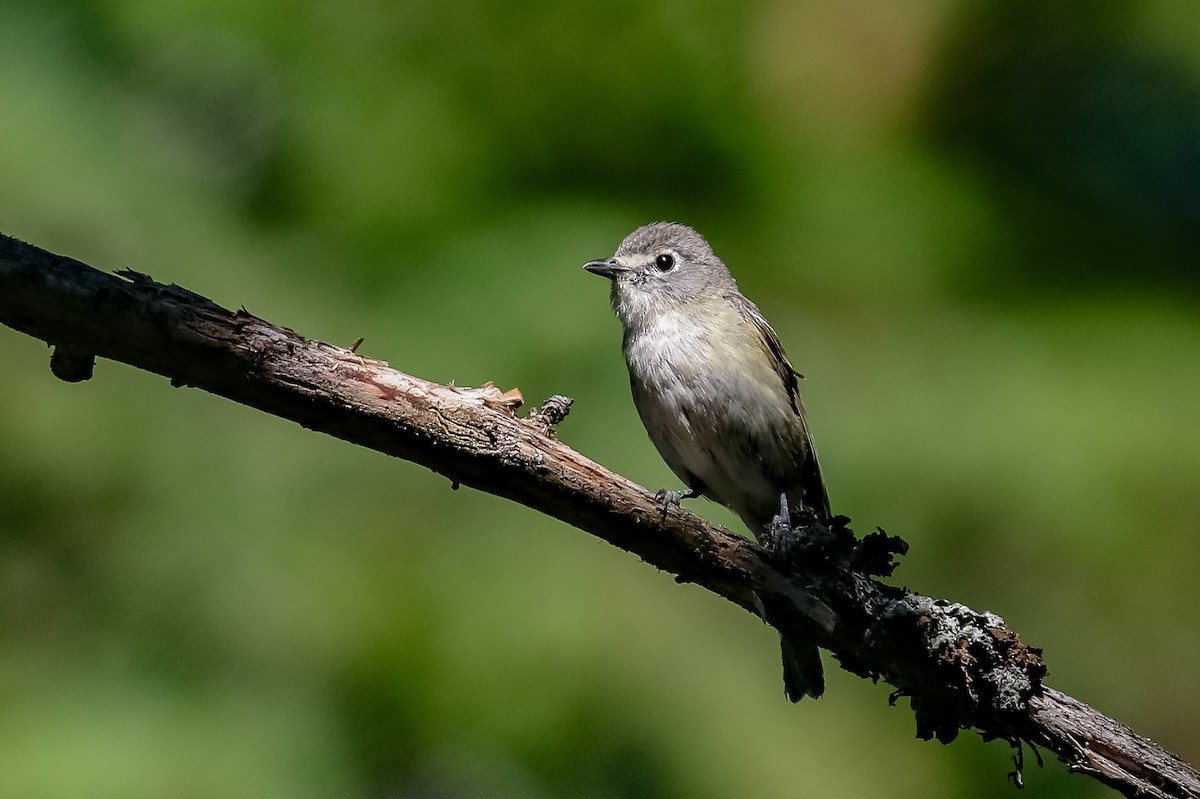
(664, 262)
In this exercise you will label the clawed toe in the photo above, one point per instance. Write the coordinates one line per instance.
(666, 499)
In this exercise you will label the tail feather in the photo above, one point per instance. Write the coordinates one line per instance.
(802, 672)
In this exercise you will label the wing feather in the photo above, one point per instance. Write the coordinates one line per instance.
(812, 483)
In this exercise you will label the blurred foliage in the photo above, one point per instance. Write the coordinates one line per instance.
(976, 226)
(1090, 138)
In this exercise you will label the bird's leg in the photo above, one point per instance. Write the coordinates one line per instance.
(779, 529)
(667, 498)
(795, 535)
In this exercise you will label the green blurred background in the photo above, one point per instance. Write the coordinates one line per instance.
(975, 225)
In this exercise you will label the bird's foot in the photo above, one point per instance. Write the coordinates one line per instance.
(779, 529)
(668, 499)
(790, 529)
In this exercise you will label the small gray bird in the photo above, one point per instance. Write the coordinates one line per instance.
(715, 391)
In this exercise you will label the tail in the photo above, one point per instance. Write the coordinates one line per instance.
(802, 672)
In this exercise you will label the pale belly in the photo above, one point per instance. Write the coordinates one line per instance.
(720, 420)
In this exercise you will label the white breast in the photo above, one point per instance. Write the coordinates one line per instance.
(712, 410)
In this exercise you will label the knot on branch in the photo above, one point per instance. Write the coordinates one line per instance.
(980, 668)
(72, 365)
(835, 547)
(957, 666)
(550, 413)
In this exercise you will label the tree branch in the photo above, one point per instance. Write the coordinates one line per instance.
(961, 669)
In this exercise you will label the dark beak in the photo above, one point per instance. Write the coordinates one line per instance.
(607, 267)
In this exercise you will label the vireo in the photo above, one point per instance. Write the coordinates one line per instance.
(715, 392)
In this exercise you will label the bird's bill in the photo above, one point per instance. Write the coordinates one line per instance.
(606, 267)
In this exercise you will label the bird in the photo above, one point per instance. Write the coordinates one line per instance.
(716, 393)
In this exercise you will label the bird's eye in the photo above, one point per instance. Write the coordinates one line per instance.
(664, 262)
